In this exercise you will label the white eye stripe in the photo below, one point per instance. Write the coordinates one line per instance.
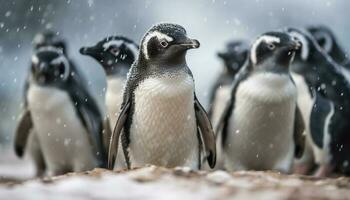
(112, 43)
(266, 38)
(62, 59)
(328, 42)
(304, 44)
(133, 48)
(149, 36)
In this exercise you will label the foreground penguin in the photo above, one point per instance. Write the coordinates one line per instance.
(262, 128)
(329, 84)
(161, 120)
(116, 55)
(233, 57)
(65, 118)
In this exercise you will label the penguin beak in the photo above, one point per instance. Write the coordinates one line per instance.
(87, 51)
(295, 45)
(190, 44)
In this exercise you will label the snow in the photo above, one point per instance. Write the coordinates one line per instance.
(179, 183)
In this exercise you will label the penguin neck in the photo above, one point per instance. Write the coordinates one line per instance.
(117, 69)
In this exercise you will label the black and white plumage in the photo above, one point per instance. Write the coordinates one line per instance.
(327, 40)
(62, 114)
(42, 39)
(233, 58)
(330, 88)
(161, 120)
(115, 54)
(261, 127)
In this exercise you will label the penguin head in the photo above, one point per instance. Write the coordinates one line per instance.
(309, 52)
(234, 56)
(49, 66)
(273, 51)
(114, 53)
(166, 44)
(49, 38)
(326, 38)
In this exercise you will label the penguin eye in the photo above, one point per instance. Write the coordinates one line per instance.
(114, 50)
(164, 43)
(271, 46)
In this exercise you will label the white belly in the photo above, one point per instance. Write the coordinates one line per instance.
(63, 138)
(114, 98)
(261, 127)
(305, 103)
(163, 130)
(222, 96)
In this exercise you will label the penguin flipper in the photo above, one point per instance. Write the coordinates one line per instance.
(114, 141)
(206, 133)
(107, 132)
(95, 130)
(22, 132)
(299, 136)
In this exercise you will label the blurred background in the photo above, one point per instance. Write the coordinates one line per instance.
(84, 22)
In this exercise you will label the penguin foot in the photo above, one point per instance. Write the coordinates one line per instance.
(324, 171)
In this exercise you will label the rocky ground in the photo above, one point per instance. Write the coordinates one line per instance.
(180, 183)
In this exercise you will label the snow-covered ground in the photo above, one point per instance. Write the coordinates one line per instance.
(159, 183)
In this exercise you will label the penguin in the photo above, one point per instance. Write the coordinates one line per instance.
(327, 40)
(261, 126)
(115, 54)
(330, 89)
(161, 121)
(65, 118)
(233, 58)
(42, 39)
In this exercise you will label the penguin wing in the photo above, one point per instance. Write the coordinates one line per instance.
(107, 132)
(114, 141)
(321, 109)
(206, 133)
(299, 136)
(22, 132)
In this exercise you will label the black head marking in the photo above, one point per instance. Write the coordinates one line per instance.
(115, 53)
(49, 38)
(167, 44)
(234, 55)
(49, 66)
(273, 51)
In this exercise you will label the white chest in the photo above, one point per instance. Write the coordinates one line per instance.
(114, 98)
(63, 138)
(262, 123)
(163, 130)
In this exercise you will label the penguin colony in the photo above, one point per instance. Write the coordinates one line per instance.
(279, 104)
